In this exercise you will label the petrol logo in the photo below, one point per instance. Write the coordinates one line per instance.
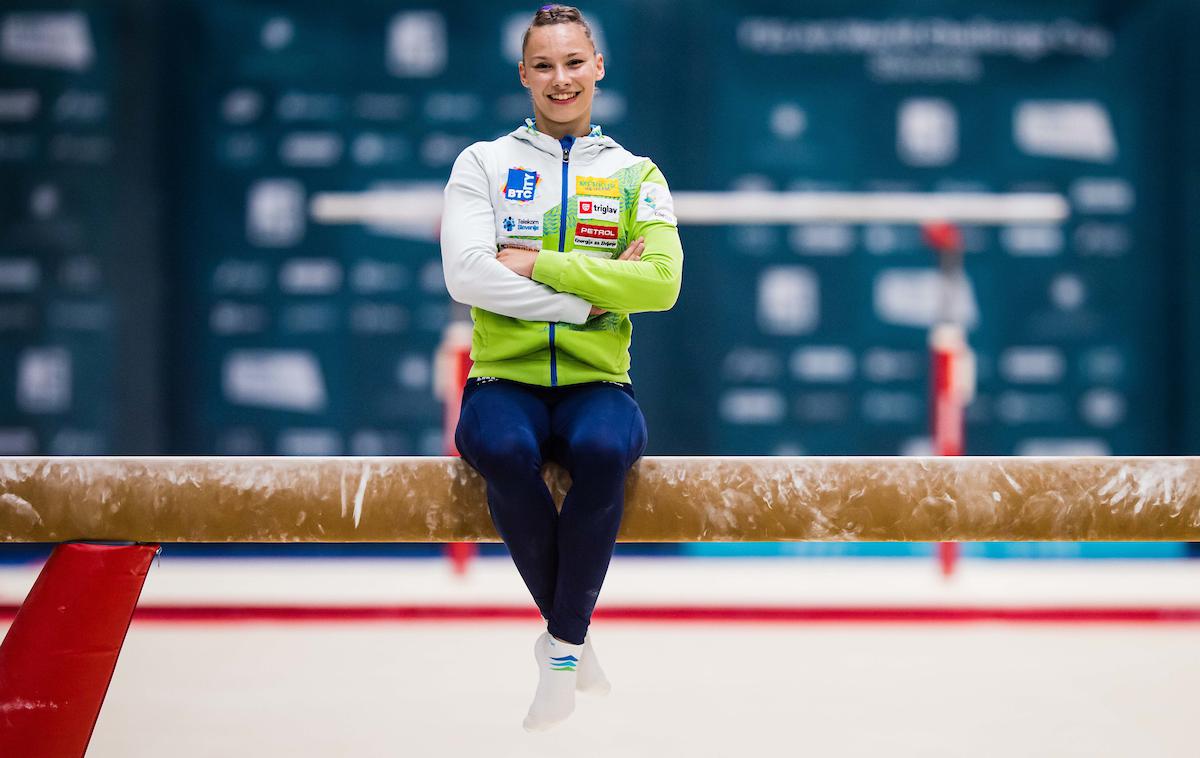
(591, 235)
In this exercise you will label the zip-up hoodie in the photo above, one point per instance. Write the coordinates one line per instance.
(580, 201)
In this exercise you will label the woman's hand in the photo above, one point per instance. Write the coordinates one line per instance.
(519, 260)
(632, 253)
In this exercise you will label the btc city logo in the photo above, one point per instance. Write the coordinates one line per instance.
(521, 185)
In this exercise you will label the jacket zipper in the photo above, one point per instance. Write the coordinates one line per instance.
(562, 248)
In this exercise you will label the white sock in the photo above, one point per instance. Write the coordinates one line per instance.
(554, 700)
(591, 679)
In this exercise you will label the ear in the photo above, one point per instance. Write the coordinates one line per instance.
(521, 73)
(599, 66)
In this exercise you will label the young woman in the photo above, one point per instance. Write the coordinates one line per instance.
(554, 234)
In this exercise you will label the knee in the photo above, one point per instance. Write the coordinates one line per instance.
(506, 453)
(607, 455)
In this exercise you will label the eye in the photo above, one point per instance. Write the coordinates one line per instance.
(542, 66)
(575, 62)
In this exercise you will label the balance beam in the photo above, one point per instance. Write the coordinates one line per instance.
(684, 499)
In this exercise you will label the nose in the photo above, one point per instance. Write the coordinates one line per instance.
(560, 75)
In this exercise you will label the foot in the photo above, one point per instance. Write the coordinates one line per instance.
(591, 679)
(554, 700)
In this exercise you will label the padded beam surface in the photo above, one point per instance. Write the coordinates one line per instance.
(682, 499)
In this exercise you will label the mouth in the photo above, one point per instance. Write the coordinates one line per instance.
(564, 98)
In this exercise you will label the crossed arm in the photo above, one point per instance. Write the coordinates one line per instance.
(532, 286)
(648, 283)
(523, 261)
(474, 274)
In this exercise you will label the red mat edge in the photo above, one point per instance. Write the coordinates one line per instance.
(671, 614)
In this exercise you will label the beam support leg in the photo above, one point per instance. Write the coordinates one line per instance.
(58, 657)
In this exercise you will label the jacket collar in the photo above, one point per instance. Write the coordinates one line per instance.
(585, 149)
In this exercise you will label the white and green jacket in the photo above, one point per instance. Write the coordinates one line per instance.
(580, 204)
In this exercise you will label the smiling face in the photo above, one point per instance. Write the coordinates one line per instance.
(560, 67)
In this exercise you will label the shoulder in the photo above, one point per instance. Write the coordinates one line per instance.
(472, 156)
(652, 173)
(481, 157)
(477, 150)
(648, 197)
(486, 152)
(640, 168)
(620, 161)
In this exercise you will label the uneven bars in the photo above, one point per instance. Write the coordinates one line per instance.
(729, 208)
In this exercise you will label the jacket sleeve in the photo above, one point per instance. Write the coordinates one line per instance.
(651, 284)
(473, 274)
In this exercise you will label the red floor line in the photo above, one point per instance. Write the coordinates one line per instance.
(670, 614)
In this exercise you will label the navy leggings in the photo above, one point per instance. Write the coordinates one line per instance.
(596, 431)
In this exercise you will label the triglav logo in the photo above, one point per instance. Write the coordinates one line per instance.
(599, 209)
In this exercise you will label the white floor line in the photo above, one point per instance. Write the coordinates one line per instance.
(658, 581)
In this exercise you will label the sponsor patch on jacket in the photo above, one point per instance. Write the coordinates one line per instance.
(521, 185)
(522, 226)
(597, 186)
(591, 235)
(655, 204)
(599, 209)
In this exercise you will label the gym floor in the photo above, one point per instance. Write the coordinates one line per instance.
(203, 683)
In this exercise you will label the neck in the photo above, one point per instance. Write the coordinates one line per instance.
(577, 128)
